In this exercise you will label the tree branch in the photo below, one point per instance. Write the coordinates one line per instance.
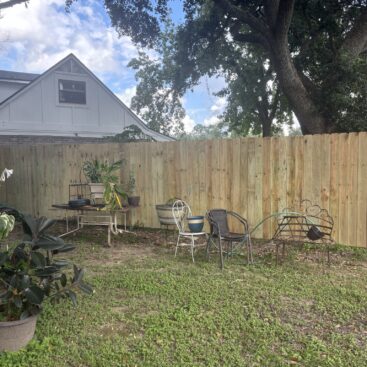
(355, 41)
(271, 11)
(244, 16)
(250, 38)
(10, 3)
(274, 104)
(284, 18)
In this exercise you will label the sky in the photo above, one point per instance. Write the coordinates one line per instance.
(34, 38)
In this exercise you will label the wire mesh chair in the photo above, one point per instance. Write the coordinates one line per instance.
(180, 211)
(220, 232)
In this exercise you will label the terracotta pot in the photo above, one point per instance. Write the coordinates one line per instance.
(15, 335)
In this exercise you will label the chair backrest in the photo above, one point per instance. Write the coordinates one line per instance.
(218, 220)
(180, 211)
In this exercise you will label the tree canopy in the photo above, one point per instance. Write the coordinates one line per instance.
(306, 56)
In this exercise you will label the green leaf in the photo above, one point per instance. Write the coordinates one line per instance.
(34, 294)
(13, 281)
(46, 271)
(38, 259)
(86, 288)
(50, 243)
(25, 281)
(63, 280)
(45, 223)
(25, 314)
(72, 296)
(18, 301)
(3, 258)
(61, 263)
(66, 248)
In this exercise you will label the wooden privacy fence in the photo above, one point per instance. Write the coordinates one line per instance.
(253, 176)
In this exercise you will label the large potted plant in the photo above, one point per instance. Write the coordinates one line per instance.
(30, 274)
(98, 174)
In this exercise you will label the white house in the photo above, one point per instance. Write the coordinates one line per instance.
(67, 100)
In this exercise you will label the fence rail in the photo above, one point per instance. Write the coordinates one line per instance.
(253, 176)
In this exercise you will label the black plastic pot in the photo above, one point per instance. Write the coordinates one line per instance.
(133, 200)
(314, 233)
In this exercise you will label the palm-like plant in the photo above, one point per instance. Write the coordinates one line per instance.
(101, 172)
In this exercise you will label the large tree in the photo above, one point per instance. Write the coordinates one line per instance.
(316, 48)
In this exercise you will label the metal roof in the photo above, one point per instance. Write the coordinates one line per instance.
(17, 76)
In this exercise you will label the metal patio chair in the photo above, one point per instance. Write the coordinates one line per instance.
(220, 232)
(181, 210)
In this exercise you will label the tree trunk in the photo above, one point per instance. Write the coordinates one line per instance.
(310, 119)
(265, 119)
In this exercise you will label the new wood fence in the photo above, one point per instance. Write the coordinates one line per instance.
(252, 176)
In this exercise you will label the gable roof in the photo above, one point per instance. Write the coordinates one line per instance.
(39, 77)
(17, 76)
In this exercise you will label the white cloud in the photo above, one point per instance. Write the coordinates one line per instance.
(211, 120)
(216, 109)
(219, 105)
(44, 33)
(127, 95)
(189, 123)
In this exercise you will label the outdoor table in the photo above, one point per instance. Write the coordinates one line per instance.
(104, 218)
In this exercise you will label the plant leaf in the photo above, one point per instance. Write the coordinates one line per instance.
(34, 294)
(72, 296)
(3, 258)
(46, 271)
(25, 281)
(25, 314)
(63, 280)
(38, 259)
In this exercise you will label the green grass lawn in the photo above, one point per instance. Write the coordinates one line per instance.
(150, 309)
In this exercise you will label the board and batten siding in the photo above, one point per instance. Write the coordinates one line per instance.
(37, 109)
(252, 176)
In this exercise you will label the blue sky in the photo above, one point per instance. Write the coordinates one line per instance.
(33, 39)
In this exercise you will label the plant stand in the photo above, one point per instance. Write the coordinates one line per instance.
(104, 218)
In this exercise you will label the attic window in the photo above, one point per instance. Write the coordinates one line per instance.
(72, 91)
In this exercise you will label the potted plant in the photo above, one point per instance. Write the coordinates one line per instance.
(30, 274)
(113, 196)
(133, 200)
(98, 173)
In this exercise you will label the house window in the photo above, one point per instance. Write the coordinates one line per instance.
(72, 91)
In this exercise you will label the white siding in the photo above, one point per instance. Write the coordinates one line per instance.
(7, 89)
(36, 110)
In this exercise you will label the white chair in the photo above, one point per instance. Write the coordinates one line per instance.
(180, 212)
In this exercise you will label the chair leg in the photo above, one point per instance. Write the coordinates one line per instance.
(208, 240)
(250, 250)
(283, 252)
(221, 254)
(192, 248)
(178, 240)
